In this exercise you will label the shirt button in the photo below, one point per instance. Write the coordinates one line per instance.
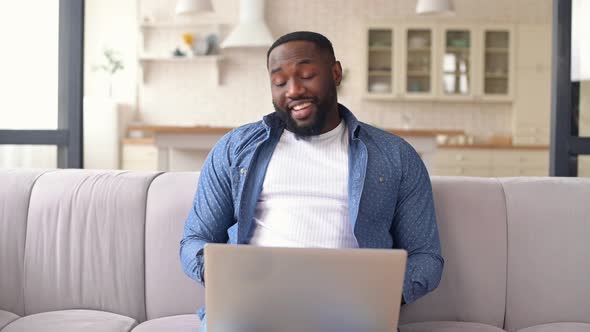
(243, 171)
(381, 179)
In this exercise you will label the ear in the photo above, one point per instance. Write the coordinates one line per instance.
(337, 73)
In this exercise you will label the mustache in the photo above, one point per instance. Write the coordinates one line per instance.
(309, 98)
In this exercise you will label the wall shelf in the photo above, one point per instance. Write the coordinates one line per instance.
(181, 25)
(146, 59)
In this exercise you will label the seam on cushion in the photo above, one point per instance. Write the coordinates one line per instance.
(133, 325)
(507, 255)
(147, 192)
(26, 230)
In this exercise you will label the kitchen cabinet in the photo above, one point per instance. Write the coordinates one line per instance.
(498, 63)
(419, 62)
(379, 78)
(139, 155)
(455, 62)
(494, 162)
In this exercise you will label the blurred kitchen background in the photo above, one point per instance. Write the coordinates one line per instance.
(469, 86)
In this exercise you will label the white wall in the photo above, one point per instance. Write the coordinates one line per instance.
(187, 94)
(110, 24)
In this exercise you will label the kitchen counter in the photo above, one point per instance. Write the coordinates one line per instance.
(200, 139)
(498, 146)
(223, 130)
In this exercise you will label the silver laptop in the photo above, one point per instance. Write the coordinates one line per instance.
(260, 289)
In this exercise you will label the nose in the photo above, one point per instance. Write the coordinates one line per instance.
(295, 89)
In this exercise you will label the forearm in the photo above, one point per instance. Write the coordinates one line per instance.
(191, 257)
(423, 274)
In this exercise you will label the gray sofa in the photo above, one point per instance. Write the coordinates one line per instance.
(98, 251)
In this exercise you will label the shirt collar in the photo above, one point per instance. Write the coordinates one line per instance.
(273, 122)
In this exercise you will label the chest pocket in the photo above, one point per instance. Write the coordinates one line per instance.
(377, 206)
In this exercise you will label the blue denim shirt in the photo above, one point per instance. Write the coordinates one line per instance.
(390, 198)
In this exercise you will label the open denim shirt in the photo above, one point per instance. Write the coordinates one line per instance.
(390, 198)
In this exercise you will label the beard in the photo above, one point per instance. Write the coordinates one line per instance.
(313, 129)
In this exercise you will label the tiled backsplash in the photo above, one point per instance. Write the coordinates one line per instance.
(187, 94)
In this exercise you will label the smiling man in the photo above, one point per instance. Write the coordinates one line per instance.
(311, 175)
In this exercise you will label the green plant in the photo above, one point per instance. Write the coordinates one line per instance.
(111, 67)
(113, 62)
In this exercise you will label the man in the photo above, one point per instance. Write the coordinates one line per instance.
(311, 175)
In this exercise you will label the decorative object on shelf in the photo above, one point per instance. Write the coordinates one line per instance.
(380, 87)
(112, 66)
(431, 7)
(202, 47)
(213, 44)
(178, 53)
(251, 30)
(188, 41)
(418, 42)
(186, 7)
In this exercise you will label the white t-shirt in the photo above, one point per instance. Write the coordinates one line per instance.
(304, 198)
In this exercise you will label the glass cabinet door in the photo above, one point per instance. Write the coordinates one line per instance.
(456, 63)
(380, 61)
(496, 62)
(418, 61)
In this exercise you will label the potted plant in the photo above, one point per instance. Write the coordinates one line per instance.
(112, 65)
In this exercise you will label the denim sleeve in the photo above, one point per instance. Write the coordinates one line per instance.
(414, 228)
(211, 213)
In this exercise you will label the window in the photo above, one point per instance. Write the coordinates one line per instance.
(40, 115)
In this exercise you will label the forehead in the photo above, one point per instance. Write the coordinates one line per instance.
(293, 52)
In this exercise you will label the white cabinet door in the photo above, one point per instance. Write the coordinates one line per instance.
(379, 62)
(498, 59)
(456, 62)
(140, 157)
(420, 47)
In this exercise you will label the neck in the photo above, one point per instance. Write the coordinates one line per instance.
(332, 119)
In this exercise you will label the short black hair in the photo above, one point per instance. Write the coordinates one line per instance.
(318, 39)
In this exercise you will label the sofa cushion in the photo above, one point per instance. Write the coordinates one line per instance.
(182, 323)
(6, 317)
(85, 242)
(72, 321)
(471, 216)
(448, 327)
(548, 269)
(558, 327)
(169, 291)
(15, 193)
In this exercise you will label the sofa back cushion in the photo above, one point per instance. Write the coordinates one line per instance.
(168, 290)
(471, 216)
(15, 192)
(548, 251)
(85, 242)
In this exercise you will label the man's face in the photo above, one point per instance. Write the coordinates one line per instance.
(303, 86)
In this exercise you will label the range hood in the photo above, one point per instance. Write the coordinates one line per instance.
(251, 31)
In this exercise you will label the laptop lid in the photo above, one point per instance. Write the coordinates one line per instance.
(250, 288)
